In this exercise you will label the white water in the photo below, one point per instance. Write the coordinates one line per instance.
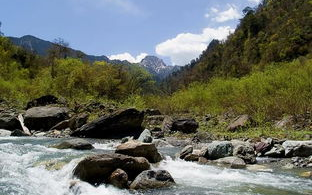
(20, 175)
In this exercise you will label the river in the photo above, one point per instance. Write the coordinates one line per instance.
(22, 172)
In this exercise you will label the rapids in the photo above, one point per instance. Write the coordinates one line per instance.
(23, 172)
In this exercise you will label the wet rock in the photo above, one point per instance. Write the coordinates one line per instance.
(120, 124)
(244, 150)
(307, 174)
(218, 149)
(146, 136)
(232, 162)
(239, 123)
(44, 118)
(184, 125)
(51, 165)
(191, 157)
(97, 169)
(5, 133)
(9, 120)
(298, 148)
(152, 179)
(126, 139)
(203, 161)
(185, 151)
(276, 152)
(119, 179)
(161, 143)
(138, 149)
(19, 133)
(77, 144)
(42, 101)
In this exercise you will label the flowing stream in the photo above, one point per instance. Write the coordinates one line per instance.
(23, 171)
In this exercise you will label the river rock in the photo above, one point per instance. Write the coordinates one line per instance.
(146, 136)
(298, 148)
(276, 152)
(44, 118)
(152, 179)
(262, 147)
(120, 124)
(259, 168)
(139, 149)
(9, 121)
(161, 143)
(232, 161)
(184, 125)
(19, 133)
(240, 122)
(77, 144)
(78, 121)
(97, 169)
(185, 151)
(193, 157)
(119, 179)
(218, 149)
(5, 133)
(244, 150)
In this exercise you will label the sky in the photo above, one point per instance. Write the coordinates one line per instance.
(174, 30)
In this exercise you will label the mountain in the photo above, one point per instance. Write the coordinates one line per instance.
(157, 67)
(152, 64)
(274, 31)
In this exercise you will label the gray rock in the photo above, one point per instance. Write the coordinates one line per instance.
(240, 122)
(77, 144)
(117, 125)
(42, 101)
(219, 149)
(9, 121)
(119, 179)
(161, 143)
(298, 148)
(138, 149)
(285, 123)
(276, 152)
(185, 151)
(232, 161)
(5, 133)
(97, 169)
(245, 151)
(44, 118)
(78, 121)
(146, 136)
(152, 179)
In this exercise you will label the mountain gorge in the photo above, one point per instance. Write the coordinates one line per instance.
(152, 64)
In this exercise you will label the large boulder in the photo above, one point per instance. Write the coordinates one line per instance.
(152, 179)
(97, 169)
(44, 118)
(120, 124)
(218, 149)
(139, 149)
(184, 125)
(42, 101)
(298, 148)
(9, 121)
(232, 161)
(119, 179)
(240, 122)
(77, 144)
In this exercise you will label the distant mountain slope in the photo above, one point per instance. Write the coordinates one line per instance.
(275, 31)
(152, 64)
(157, 67)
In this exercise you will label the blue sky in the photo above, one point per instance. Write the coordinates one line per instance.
(175, 30)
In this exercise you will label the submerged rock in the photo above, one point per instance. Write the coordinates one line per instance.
(77, 144)
(44, 118)
(152, 179)
(232, 162)
(120, 124)
(51, 165)
(97, 169)
(138, 149)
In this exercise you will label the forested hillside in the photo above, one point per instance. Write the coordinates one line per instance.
(275, 31)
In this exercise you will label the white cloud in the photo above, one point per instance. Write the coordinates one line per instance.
(187, 46)
(230, 14)
(127, 56)
(255, 1)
